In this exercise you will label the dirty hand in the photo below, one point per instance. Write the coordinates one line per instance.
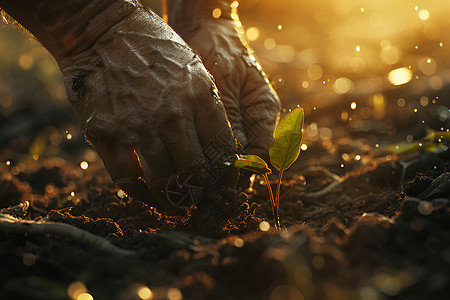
(143, 98)
(252, 105)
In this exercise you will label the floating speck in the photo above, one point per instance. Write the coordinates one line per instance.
(144, 293)
(425, 208)
(84, 165)
(174, 294)
(29, 259)
(216, 13)
(121, 194)
(252, 33)
(424, 14)
(85, 296)
(264, 226)
(400, 76)
(239, 242)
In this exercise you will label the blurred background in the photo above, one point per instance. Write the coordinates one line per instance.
(372, 69)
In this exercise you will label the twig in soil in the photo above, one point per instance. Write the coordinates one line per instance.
(12, 225)
(337, 180)
(16, 211)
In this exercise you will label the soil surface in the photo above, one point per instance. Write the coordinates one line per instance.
(358, 223)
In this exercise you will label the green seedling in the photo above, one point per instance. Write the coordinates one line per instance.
(432, 142)
(283, 152)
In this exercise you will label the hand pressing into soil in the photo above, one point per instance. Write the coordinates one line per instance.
(143, 98)
(213, 28)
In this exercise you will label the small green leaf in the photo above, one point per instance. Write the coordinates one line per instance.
(437, 136)
(252, 163)
(417, 146)
(286, 144)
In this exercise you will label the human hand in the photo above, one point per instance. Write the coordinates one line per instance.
(252, 105)
(149, 108)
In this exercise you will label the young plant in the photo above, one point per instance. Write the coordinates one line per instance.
(434, 142)
(283, 152)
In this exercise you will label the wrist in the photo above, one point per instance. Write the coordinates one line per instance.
(68, 28)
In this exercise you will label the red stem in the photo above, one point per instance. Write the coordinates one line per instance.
(276, 219)
(270, 191)
(277, 197)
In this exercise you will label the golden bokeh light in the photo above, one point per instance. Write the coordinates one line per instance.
(75, 289)
(343, 85)
(174, 294)
(400, 76)
(427, 65)
(315, 72)
(239, 242)
(252, 33)
(85, 296)
(269, 43)
(264, 226)
(424, 14)
(145, 293)
(216, 13)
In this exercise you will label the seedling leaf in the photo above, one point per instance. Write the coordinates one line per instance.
(417, 146)
(252, 163)
(437, 136)
(285, 147)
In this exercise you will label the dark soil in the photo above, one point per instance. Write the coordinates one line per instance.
(375, 235)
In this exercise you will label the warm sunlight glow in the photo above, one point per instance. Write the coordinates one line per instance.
(400, 76)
